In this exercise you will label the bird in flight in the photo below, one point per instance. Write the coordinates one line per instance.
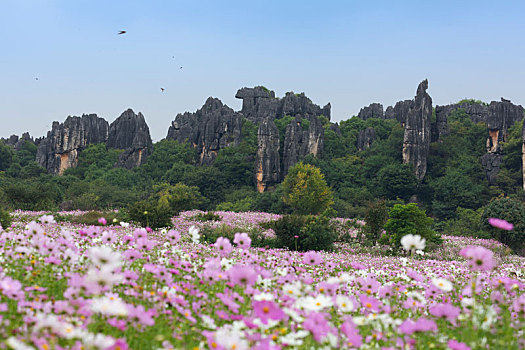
(162, 89)
(36, 78)
(180, 67)
(121, 32)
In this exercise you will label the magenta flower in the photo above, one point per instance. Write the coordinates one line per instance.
(242, 275)
(455, 345)
(266, 310)
(369, 303)
(102, 221)
(422, 325)
(224, 246)
(242, 240)
(446, 311)
(317, 324)
(500, 223)
(312, 258)
(480, 259)
(350, 330)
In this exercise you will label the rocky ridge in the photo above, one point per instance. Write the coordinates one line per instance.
(59, 150)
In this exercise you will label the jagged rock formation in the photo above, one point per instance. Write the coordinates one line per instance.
(267, 163)
(59, 150)
(17, 142)
(130, 133)
(259, 103)
(498, 116)
(416, 140)
(299, 142)
(399, 111)
(216, 126)
(365, 138)
(209, 129)
(374, 110)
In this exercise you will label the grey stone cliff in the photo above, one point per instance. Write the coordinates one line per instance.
(209, 129)
(59, 150)
(267, 163)
(416, 140)
(130, 133)
(299, 142)
(374, 110)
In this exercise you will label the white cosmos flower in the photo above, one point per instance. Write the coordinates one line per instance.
(443, 284)
(16, 344)
(194, 232)
(124, 224)
(317, 303)
(413, 242)
(344, 303)
(109, 306)
(105, 257)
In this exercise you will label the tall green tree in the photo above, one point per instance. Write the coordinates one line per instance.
(305, 190)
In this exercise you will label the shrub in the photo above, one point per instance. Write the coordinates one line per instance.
(409, 219)
(314, 232)
(513, 211)
(5, 219)
(209, 216)
(150, 213)
(210, 234)
(375, 219)
(91, 218)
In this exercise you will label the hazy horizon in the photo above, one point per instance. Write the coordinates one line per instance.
(347, 53)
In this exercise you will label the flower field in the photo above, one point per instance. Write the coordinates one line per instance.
(65, 286)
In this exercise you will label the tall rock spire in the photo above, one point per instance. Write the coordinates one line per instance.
(416, 140)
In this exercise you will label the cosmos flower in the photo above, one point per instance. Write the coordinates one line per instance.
(442, 284)
(446, 311)
(479, 258)
(194, 233)
(242, 275)
(500, 223)
(242, 240)
(267, 310)
(413, 242)
(223, 246)
(312, 258)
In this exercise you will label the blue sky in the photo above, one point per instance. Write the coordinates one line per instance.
(349, 53)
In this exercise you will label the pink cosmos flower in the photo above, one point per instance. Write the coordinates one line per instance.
(369, 303)
(480, 258)
(266, 310)
(455, 345)
(102, 221)
(500, 223)
(173, 236)
(312, 258)
(242, 240)
(421, 325)
(350, 330)
(447, 311)
(242, 275)
(317, 324)
(224, 246)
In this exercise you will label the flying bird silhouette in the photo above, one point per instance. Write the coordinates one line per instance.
(121, 32)
(36, 78)
(162, 89)
(180, 67)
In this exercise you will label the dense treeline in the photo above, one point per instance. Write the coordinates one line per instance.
(454, 186)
